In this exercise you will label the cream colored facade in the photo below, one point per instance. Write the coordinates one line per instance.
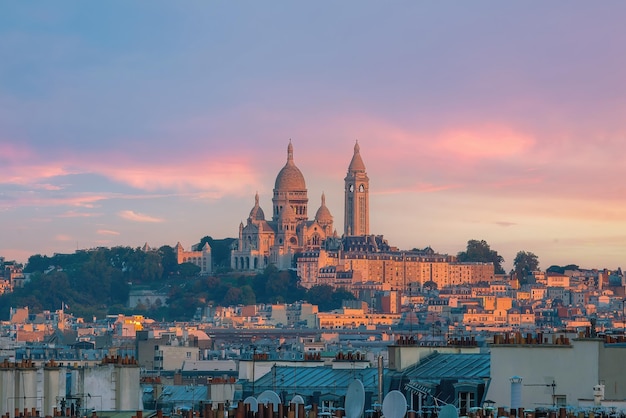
(406, 271)
(354, 318)
(290, 231)
(483, 317)
(200, 258)
(559, 280)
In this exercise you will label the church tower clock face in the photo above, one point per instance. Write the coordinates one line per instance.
(351, 188)
(361, 188)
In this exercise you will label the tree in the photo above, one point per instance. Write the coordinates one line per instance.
(479, 251)
(430, 285)
(561, 269)
(168, 260)
(555, 269)
(188, 270)
(220, 251)
(326, 298)
(524, 264)
(322, 296)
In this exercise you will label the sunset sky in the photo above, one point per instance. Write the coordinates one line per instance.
(150, 121)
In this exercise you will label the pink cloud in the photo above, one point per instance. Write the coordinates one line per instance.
(505, 223)
(519, 160)
(32, 174)
(33, 199)
(13, 152)
(485, 142)
(130, 215)
(75, 214)
(217, 174)
(223, 177)
(417, 188)
(106, 232)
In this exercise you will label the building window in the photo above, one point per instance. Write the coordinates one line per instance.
(466, 401)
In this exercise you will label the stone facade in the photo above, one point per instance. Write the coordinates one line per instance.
(289, 231)
(201, 258)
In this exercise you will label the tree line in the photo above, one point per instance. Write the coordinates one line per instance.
(524, 264)
(98, 282)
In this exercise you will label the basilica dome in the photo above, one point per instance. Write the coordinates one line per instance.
(323, 216)
(290, 177)
(256, 213)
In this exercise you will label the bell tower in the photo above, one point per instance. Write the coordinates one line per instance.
(357, 185)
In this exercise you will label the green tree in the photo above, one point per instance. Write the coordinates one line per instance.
(152, 270)
(479, 251)
(233, 296)
(524, 264)
(322, 296)
(339, 296)
(37, 262)
(220, 251)
(188, 270)
(555, 269)
(247, 295)
(168, 261)
(430, 285)
(326, 298)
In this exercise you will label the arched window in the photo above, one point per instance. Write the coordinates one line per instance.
(316, 239)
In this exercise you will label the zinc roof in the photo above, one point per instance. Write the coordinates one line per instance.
(451, 366)
(324, 379)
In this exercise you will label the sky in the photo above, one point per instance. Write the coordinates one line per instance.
(124, 123)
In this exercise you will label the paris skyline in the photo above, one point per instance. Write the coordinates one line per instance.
(124, 123)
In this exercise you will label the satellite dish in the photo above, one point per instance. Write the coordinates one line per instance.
(269, 397)
(355, 399)
(448, 411)
(254, 405)
(394, 405)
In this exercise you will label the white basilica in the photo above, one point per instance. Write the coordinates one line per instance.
(290, 231)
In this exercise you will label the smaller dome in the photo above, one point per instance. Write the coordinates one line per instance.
(257, 213)
(323, 215)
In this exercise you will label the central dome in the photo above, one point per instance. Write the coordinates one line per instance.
(290, 177)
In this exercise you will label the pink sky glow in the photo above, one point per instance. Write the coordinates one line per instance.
(503, 122)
